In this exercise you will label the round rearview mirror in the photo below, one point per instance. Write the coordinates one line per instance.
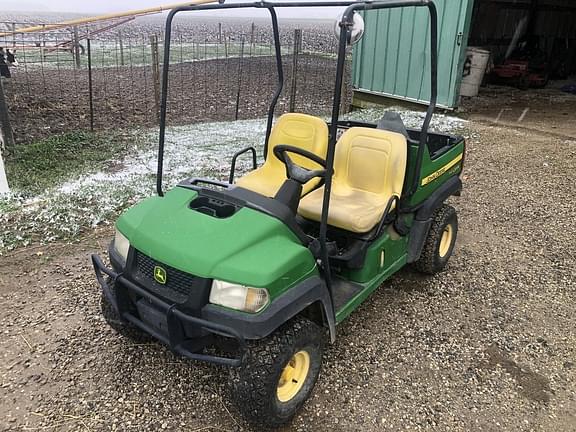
(357, 30)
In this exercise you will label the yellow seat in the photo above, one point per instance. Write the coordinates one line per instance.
(299, 130)
(369, 168)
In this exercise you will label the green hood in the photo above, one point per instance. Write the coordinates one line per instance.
(248, 247)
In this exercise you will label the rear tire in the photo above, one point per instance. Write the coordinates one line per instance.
(121, 327)
(278, 373)
(440, 241)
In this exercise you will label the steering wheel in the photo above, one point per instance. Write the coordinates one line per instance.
(296, 172)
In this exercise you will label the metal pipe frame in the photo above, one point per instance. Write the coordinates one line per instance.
(93, 19)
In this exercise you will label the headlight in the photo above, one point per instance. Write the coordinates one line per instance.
(121, 245)
(238, 297)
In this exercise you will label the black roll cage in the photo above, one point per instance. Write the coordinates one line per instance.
(345, 24)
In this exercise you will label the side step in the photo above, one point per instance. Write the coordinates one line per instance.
(344, 291)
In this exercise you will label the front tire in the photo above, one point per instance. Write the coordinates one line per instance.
(440, 241)
(278, 373)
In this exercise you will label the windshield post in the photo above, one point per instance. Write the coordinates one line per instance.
(431, 106)
(344, 24)
(164, 100)
(280, 70)
(411, 184)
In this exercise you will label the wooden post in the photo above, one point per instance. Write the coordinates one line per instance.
(121, 48)
(5, 126)
(220, 32)
(6, 138)
(252, 28)
(77, 48)
(239, 79)
(294, 82)
(155, 73)
(90, 85)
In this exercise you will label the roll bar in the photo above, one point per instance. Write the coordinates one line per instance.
(345, 25)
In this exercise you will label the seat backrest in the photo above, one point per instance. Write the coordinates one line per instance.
(371, 160)
(299, 130)
(391, 121)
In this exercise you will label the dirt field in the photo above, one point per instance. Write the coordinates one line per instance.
(490, 344)
(50, 101)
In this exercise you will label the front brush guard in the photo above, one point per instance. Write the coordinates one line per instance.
(176, 337)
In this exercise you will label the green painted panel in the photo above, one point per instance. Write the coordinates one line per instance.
(451, 159)
(392, 249)
(393, 57)
(249, 247)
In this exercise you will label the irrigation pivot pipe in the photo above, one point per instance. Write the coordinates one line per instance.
(106, 17)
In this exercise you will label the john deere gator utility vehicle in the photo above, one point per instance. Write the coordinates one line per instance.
(255, 274)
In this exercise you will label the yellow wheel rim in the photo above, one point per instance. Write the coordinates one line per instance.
(446, 241)
(293, 376)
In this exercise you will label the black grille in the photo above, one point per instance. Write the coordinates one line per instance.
(178, 286)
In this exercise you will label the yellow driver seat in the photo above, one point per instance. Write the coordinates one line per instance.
(369, 168)
(299, 130)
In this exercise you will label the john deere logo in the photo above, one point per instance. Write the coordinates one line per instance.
(160, 275)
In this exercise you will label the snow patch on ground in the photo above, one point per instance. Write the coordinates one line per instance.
(412, 119)
(97, 198)
(200, 150)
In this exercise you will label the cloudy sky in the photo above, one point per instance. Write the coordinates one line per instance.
(104, 6)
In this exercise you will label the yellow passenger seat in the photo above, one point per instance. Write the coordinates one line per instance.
(369, 168)
(299, 130)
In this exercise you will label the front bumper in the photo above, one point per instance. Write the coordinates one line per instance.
(176, 324)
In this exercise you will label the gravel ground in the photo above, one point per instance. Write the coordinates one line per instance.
(487, 345)
(548, 110)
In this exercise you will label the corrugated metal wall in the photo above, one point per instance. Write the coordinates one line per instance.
(393, 57)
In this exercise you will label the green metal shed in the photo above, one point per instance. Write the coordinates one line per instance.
(400, 67)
